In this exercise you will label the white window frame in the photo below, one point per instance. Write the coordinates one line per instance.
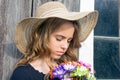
(86, 51)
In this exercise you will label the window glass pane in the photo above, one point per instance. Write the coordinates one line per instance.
(106, 41)
(108, 18)
(106, 59)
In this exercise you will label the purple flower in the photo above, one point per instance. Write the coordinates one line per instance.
(59, 72)
(86, 65)
(69, 67)
(65, 71)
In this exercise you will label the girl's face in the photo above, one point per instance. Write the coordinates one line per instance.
(60, 40)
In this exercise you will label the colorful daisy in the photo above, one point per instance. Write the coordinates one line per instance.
(72, 70)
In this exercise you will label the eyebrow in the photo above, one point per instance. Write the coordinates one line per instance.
(63, 36)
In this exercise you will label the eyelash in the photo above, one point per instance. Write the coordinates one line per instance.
(61, 39)
(58, 39)
(69, 41)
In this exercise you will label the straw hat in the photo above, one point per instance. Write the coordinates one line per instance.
(24, 29)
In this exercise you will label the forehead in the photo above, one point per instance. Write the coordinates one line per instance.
(65, 26)
(66, 29)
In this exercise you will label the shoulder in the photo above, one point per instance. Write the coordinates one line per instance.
(20, 73)
(24, 72)
(23, 69)
(27, 72)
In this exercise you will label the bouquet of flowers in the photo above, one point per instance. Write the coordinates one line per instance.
(72, 71)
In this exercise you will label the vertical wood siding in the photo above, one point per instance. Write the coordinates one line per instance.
(11, 12)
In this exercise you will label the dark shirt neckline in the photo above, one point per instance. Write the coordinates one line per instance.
(35, 69)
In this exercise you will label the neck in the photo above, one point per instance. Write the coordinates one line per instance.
(51, 63)
(40, 65)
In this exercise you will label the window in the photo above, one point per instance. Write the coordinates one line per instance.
(107, 40)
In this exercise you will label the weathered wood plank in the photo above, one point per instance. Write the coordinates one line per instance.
(1, 36)
(72, 5)
(12, 12)
(37, 3)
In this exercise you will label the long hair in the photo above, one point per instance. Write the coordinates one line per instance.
(38, 44)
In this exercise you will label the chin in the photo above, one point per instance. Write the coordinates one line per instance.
(56, 58)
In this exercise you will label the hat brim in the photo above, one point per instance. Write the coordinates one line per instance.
(24, 28)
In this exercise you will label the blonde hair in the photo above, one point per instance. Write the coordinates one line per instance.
(38, 44)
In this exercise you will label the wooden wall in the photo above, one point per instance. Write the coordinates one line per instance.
(11, 12)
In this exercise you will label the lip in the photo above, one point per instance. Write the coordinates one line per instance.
(60, 53)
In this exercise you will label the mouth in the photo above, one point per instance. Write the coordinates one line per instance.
(60, 53)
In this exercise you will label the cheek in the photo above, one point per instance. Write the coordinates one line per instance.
(53, 44)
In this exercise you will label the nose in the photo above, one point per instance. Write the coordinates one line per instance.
(65, 45)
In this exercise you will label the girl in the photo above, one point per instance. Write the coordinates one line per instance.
(50, 38)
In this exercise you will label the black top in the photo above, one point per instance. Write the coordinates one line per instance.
(27, 72)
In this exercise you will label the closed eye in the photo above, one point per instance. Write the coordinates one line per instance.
(59, 38)
(69, 40)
